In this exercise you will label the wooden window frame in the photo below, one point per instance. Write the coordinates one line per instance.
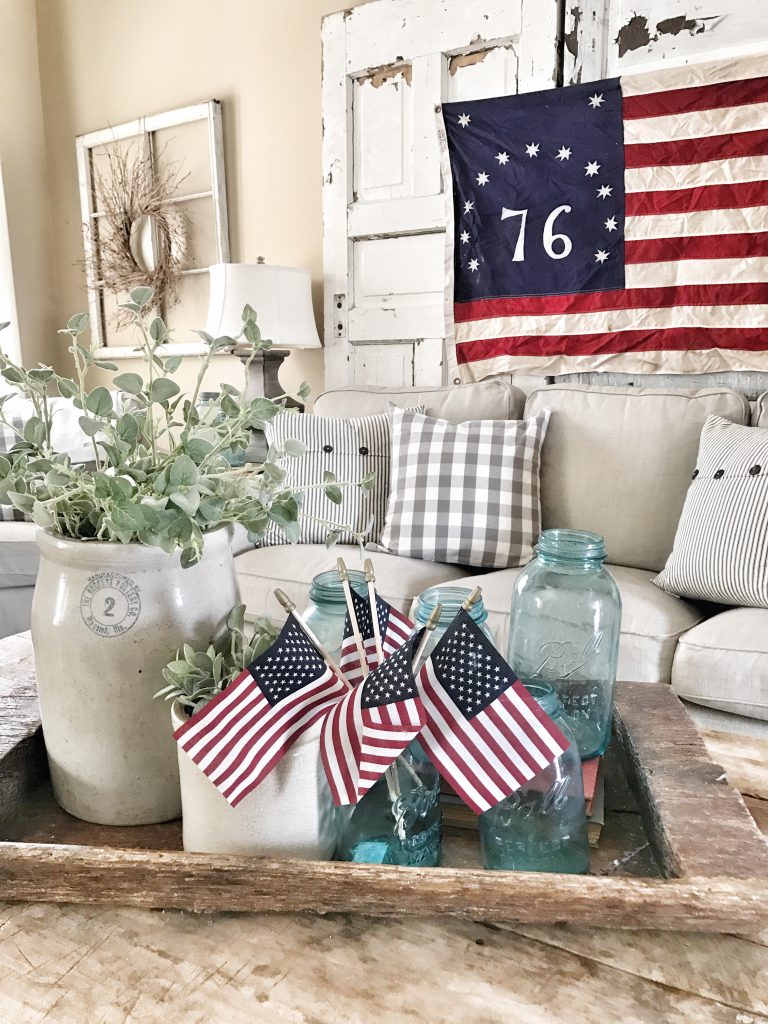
(144, 129)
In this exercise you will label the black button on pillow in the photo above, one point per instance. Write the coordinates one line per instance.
(755, 471)
(327, 447)
(720, 473)
(695, 474)
(363, 450)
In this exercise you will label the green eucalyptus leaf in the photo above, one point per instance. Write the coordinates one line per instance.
(13, 375)
(183, 472)
(77, 323)
(157, 330)
(294, 447)
(249, 313)
(130, 517)
(187, 500)
(189, 556)
(34, 431)
(333, 493)
(142, 296)
(130, 383)
(89, 426)
(66, 387)
(197, 448)
(99, 402)
(105, 366)
(163, 389)
(23, 502)
(41, 516)
(172, 363)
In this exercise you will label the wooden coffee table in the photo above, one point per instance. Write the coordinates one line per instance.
(679, 849)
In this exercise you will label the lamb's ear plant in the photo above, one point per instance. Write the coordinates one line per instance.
(194, 677)
(161, 472)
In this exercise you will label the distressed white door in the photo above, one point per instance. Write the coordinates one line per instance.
(386, 66)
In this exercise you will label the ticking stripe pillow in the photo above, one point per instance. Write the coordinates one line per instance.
(467, 494)
(720, 551)
(349, 448)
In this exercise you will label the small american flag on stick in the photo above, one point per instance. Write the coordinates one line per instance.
(239, 736)
(485, 733)
(367, 730)
(394, 628)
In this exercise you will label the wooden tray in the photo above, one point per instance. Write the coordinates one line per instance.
(678, 851)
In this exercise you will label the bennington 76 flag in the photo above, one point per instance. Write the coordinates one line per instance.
(372, 726)
(239, 736)
(485, 732)
(618, 225)
(394, 629)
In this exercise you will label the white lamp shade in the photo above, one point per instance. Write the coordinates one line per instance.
(281, 296)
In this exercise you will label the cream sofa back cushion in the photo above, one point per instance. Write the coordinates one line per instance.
(619, 462)
(484, 400)
(760, 411)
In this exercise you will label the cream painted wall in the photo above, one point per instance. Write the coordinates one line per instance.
(22, 157)
(107, 61)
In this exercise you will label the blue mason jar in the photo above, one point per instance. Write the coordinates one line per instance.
(566, 618)
(451, 599)
(543, 825)
(400, 825)
(327, 607)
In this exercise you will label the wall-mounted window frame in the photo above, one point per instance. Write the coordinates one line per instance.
(143, 130)
(10, 339)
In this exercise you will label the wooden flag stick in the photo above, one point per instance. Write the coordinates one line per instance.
(344, 577)
(290, 607)
(371, 578)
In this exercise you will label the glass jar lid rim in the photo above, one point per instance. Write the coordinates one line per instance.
(573, 544)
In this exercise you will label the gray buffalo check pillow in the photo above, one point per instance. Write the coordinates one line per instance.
(350, 449)
(465, 494)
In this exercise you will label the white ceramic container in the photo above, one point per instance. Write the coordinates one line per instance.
(291, 814)
(106, 618)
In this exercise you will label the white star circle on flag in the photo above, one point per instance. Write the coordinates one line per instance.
(482, 178)
(468, 206)
(610, 224)
(503, 158)
(464, 120)
(532, 149)
(464, 237)
(601, 256)
(592, 168)
(564, 153)
(596, 101)
(474, 264)
(604, 191)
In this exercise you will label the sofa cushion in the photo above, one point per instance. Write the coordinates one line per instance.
(651, 620)
(618, 462)
(398, 580)
(723, 663)
(723, 721)
(485, 400)
(721, 546)
(760, 411)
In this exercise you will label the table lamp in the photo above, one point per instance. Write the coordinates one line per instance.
(282, 298)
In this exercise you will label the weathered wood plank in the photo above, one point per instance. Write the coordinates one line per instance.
(23, 765)
(697, 822)
(204, 883)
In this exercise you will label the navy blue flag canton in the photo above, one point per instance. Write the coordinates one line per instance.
(538, 192)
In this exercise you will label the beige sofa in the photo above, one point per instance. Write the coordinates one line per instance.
(617, 461)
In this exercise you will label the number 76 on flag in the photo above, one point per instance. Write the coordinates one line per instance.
(548, 236)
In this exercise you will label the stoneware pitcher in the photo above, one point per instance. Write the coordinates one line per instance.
(290, 814)
(106, 618)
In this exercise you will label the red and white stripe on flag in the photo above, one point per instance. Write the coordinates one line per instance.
(487, 756)
(696, 244)
(397, 631)
(358, 744)
(239, 736)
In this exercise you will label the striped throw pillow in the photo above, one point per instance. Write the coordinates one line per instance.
(349, 448)
(465, 494)
(720, 551)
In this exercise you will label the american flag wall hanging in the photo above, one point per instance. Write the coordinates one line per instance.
(618, 225)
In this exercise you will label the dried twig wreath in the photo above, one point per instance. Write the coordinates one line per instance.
(132, 198)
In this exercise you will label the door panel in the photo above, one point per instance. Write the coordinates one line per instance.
(386, 66)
